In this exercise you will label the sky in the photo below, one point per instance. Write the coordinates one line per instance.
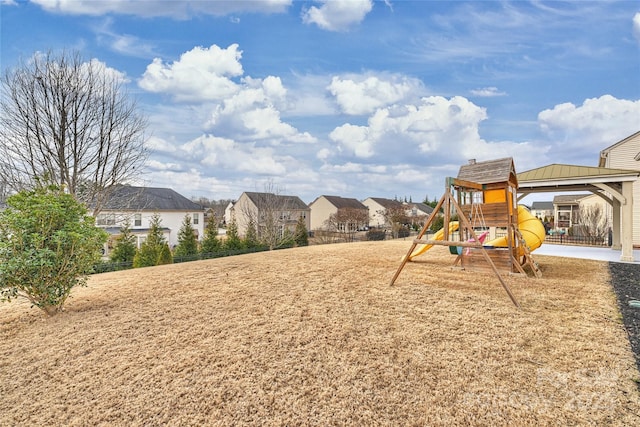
(351, 98)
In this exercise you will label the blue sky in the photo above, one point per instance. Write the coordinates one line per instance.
(353, 98)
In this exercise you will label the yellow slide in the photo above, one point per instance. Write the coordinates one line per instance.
(530, 227)
(453, 226)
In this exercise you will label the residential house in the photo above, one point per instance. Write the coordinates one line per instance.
(542, 210)
(139, 204)
(378, 210)
(262, 208)
(350, 214)
(228, 211)
(566, 208)
(625, 154)
(418, 213)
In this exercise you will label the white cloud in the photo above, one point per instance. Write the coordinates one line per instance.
(222, 153)
(354, 139)
(125, 44)
(177, 9)
(251, 114)
(100, 68)
(592, 126)
(434, 124)
(157, 166)
(436, 130)
(364, 94)
(636, 26)
(201, 74)
(159, 145)
(487, 92)
(337, 15)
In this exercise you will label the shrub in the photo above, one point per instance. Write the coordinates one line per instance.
(376, 234)
(48, 245)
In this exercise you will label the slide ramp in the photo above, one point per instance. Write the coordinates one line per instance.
(530, 227)
(453, 226)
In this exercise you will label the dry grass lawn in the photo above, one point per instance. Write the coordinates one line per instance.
(315, 336)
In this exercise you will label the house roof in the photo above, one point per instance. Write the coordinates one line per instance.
(604, 153)
(290, 202)
(129, 198)
(387, 203)
(541, 206)
(569, 199)
(344, 203)
(424, 208)
(487, 172)
(561, 171)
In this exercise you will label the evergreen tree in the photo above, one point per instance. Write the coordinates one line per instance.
(210, 242)
(187, 242)
(301, 236)
(125, 248)
(233, 241)
(287, 239)
(251, 236)
(155, 249)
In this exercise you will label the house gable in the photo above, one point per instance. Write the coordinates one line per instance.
(252, 205)
(623, 154)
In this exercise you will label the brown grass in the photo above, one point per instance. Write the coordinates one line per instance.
(315, 336)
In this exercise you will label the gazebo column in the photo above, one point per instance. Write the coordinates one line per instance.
(616, 221)
(626, 219)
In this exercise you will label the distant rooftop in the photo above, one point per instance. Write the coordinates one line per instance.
(129, 198)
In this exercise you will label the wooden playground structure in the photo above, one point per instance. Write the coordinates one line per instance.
(481, 204)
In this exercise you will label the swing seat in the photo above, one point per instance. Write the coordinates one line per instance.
(481, 238)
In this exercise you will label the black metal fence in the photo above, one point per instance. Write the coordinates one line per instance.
(105, 267)
(565, 239)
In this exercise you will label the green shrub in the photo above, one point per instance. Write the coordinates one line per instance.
(48, 245)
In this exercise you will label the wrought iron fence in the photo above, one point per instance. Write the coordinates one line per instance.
(565, 239)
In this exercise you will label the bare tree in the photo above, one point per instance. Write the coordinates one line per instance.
(593, 221)
(274, 215)
(347, 222)
(70, 122)
(397, 217)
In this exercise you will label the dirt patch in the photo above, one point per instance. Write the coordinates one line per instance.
(316, 336)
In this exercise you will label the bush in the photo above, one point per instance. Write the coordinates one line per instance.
(376, 235)
(403, 232)
(48, 245)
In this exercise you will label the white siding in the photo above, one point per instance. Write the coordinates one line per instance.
(622, 156)
(171, 220)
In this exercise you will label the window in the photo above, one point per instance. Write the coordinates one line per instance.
(196, 219)
(106, 219)
(137, 220)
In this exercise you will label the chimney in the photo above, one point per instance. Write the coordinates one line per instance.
(472, 161)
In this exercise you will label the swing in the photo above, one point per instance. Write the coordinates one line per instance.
(477, 216)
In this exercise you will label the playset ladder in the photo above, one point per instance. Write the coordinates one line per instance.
(528, 258)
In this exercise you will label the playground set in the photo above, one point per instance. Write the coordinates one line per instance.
(492, 233)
